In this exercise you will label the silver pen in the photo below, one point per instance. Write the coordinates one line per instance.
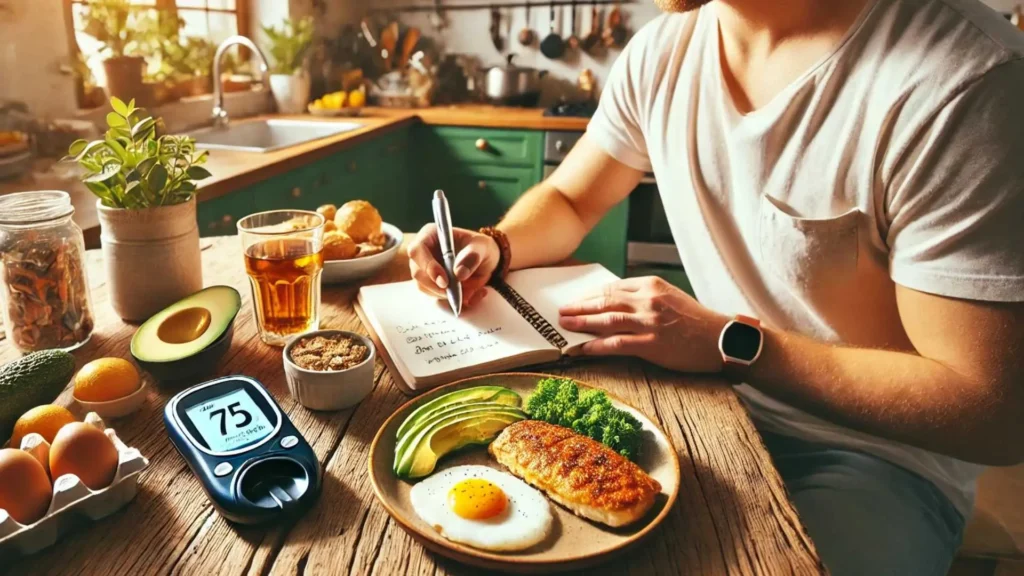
(443, 220)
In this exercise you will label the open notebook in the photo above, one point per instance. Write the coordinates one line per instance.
(515, 325)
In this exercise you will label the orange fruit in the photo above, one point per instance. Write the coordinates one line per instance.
(356, 99)
(106, 379)
(44, 420)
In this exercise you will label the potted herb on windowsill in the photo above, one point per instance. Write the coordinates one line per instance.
(116, 24)
(146, 187)
(289, 79)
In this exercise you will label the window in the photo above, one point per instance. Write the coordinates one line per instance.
(209, 20)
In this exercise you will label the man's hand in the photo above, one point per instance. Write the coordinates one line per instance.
(476, 257)
(650, 319)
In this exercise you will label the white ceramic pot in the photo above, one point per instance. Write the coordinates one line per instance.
(291, 92)
(333, 389)
(151, 257)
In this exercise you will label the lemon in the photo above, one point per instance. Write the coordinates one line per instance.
(44, 420)
(356, 99)
(106, 379)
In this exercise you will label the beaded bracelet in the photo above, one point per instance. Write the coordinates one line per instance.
(505, 257)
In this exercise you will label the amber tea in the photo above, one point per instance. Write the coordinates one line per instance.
(285, 278)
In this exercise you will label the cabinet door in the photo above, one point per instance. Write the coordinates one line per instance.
(380, 174)
(218, 216)
(478, 195)
(293, 189)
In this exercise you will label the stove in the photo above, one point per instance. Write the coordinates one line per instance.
(572, 110)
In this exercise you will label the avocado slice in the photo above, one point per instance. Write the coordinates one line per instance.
(451, 433)
(498, 394)
(405, 441)
(31, 381)
(189, 336)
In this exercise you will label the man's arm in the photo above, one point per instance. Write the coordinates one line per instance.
(962, 394)
(545, 226)
(550, 221)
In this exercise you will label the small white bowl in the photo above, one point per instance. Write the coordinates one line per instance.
(333, 389)
(343, 271)
(117, 408)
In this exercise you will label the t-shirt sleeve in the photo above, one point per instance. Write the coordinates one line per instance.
(617, 126)
(955, 202)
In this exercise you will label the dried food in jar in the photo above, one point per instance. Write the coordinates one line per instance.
(46, 294)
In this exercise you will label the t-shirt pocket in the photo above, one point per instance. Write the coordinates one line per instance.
(814, 257)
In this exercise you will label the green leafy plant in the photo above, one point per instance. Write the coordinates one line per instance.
(133, 168)
(289, 44)
(118, 25)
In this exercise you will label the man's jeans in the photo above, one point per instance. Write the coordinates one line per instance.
(865, 515)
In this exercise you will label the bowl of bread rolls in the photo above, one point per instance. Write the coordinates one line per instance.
(357, 242)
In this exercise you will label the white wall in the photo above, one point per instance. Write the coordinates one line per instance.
(33, 47)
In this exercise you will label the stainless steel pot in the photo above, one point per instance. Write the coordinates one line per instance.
(513, 85)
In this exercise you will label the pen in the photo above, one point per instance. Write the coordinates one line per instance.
(443, 220)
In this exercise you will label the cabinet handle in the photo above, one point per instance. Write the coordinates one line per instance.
(394, 149)
(353, 167)
(482, 145)
(482, 185)
(212, 225)
(227, 219)
(559, 145)
(296, 192)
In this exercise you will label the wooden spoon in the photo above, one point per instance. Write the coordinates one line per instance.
(388, 42)
(574, 41)
(552, 46)
(526, 35)
(412, 36)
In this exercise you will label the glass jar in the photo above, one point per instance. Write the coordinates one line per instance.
(44, 291)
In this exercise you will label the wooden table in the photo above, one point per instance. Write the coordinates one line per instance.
(732, 516)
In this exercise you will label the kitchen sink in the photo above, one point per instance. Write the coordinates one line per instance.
(267, 135)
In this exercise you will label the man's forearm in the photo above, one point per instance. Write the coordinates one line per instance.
(896, 395)
(543, 227)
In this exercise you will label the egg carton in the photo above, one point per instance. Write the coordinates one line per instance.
(72, 499)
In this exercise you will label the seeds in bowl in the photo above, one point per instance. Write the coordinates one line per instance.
(328, 353)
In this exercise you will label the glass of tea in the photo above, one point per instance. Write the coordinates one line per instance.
(284, 259)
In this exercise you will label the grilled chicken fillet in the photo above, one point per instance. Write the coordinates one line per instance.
(585, 476)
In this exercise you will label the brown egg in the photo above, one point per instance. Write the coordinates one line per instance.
(25, 490)
(85, 451)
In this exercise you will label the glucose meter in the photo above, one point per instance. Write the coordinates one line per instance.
(253, 463)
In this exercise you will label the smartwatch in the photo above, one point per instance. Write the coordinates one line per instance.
(740, 344)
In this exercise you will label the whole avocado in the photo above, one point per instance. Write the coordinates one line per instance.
(30, 381)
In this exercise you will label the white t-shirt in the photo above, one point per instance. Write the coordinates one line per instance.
(897, 158)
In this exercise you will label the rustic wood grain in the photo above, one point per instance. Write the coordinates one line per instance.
(732, 515)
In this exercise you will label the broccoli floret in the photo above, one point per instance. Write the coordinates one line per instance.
(559, 401)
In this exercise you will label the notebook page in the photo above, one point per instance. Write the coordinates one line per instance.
(428, 339)
(548, 289)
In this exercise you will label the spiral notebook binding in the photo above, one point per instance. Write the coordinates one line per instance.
(530, 314)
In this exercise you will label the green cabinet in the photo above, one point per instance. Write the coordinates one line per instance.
(481, 146)
(219, 216)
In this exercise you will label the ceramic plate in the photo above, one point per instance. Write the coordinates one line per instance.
(573, 543)
(342, 271)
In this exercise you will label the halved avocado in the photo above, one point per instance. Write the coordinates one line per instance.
(476, 394)
(189, 337)
(439, 413)
(451, 433)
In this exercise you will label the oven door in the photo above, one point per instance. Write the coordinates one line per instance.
(651, 250)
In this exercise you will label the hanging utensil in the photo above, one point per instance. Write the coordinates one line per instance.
(573, 42)
(615, 34)
(526, 35)
(412, 36)
(552, 46)
(388, 43)
(499, 44)
(437, 18)
(593, 40)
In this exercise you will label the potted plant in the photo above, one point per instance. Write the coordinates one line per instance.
(117, 24)
(289, 79)
(146, 187)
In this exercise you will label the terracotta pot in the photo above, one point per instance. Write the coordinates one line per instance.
(124, 78)
(291, 92)
(151, 257)
(200, 85)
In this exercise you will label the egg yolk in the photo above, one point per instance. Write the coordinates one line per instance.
(477, 499)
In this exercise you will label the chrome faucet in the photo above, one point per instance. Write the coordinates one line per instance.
(220, 115)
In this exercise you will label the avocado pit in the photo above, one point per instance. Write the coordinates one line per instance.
(184, 325)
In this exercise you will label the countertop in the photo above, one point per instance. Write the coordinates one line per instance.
(732, 516)
(233, 171)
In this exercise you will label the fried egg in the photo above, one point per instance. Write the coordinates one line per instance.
(483, 507)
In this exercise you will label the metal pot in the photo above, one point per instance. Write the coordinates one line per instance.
(513, 85)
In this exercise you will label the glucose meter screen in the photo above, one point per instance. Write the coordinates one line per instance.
(229, 422)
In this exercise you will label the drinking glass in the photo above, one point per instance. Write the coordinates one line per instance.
(284, 259)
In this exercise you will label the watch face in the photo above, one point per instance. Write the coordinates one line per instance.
(741, 341)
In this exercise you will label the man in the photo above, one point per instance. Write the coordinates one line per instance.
(849, 174)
